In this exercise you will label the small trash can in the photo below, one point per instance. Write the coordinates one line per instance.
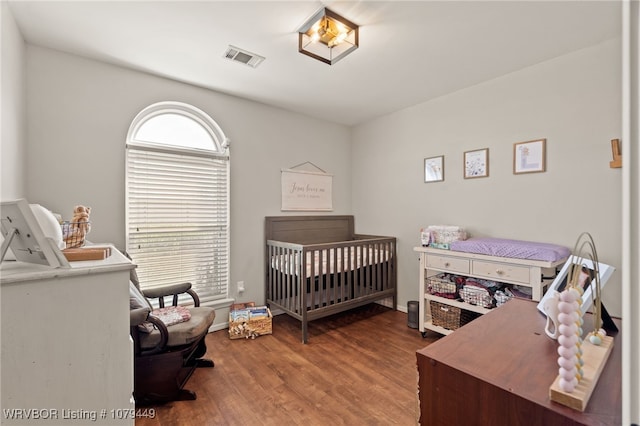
(413, 311)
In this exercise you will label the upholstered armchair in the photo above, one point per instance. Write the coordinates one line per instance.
(169, 342)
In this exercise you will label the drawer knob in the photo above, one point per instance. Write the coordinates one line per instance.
(499, 271)
(447, 264)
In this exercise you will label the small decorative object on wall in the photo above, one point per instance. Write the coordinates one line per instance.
(615, 152)
(529, 157)
(476, 163)
(434, 169)
(305, 190)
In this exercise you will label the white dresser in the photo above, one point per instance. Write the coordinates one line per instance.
(521, 272)
(67, 355)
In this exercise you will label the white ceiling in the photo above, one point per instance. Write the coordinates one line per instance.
(409, 51)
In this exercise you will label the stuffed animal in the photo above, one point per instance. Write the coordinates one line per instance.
(79, 227)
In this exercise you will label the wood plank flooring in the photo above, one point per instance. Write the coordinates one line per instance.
(359, 368)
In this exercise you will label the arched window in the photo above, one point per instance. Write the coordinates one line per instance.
(177, 199)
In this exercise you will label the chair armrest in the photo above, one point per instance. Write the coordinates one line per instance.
(141, 315)
(171, 290)
(164, 336)
(167, 290)
(138, 316)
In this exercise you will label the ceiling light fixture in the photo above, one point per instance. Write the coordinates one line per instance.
(327, 37)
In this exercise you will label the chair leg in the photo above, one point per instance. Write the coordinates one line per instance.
(196, 360)
(204, 363)
(200, 350)
(186, 395)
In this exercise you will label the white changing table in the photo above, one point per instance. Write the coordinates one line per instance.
(523, 272)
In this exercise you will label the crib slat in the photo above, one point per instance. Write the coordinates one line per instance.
(311, 281)
(296, 278)
(341, 274)
(321, 277)
(350, 255)
(284, 294)
(361, 272)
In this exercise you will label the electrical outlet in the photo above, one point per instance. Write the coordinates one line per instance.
(240, 286)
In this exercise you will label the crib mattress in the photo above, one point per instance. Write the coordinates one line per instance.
(330, 261)
(512, 248)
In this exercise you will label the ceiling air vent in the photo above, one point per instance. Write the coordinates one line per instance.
(244, 57)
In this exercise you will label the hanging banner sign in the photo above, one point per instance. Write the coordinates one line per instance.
(307, 191)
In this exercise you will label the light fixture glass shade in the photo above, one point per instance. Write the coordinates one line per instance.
(327, 37)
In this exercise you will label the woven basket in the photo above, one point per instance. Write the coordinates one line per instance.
(450, 317)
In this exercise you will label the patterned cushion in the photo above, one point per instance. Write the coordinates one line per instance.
(185, 332)
(172, 314)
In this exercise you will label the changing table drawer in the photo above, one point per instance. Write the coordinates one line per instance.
(446, 263)
(500, 271)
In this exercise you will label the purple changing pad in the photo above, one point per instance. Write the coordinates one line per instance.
(512, 248)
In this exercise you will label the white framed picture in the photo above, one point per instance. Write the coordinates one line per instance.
(476, 163)
(529, 156)
(434, 169)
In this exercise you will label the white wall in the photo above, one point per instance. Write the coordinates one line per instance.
(79, 111)
(573, 101)
(12, 119)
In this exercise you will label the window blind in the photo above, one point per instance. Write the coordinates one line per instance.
(177, 218)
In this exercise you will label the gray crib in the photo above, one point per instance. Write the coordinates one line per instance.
(317, 266)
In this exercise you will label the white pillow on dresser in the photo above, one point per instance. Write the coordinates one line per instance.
(49, 224)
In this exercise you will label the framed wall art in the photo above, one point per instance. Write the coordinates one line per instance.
(304, 190)
(434, 169)
(476, 163)
(529, 157)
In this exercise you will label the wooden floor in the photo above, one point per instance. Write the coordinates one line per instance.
(359, 368)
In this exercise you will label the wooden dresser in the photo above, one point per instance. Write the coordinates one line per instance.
(497, 370)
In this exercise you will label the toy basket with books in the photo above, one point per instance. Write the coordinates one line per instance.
(249, 321)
